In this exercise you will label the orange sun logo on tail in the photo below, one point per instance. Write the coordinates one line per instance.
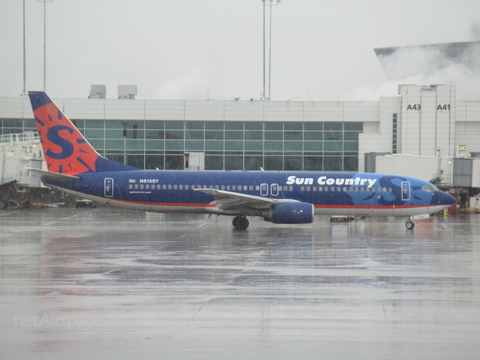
(66, 150)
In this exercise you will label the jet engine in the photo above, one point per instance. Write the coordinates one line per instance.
(290, 213)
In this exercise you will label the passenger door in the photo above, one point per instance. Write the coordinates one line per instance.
(108, 187)
(406, 190)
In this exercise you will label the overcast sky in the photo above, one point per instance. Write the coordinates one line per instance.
(199, 49)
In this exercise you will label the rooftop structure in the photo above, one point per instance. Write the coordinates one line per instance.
(402, 61)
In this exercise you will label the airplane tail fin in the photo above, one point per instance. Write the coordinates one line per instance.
(65, 149)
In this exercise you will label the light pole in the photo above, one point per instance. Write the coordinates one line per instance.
(263, 92)
(24, 55)
(269, 49)
(45, 43)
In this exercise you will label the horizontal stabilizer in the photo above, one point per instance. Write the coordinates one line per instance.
(52, 175)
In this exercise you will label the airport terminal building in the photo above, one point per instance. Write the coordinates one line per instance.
(273, 135)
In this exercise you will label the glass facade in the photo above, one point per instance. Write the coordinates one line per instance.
(16, 126)
(227, 145)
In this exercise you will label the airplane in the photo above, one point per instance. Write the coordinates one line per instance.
(281, 197)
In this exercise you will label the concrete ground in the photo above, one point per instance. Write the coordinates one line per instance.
(108, 284)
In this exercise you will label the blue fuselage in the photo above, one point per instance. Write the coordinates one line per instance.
(333, 193)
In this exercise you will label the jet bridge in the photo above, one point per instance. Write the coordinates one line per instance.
(18, 151)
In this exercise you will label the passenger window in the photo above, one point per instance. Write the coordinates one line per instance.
(169, 187)
(314, 188)
(180, 187)
(142, 186)
(308, 188)
(147, 187)
(136, 186)
(164, 187)
(175, 187)
(250, 188)
(228, 187)
(222, 187)
(290, 188)
(130, 186)
(245, 187)
(186, 187)
(217, 187)
(234, 187)
(257, 188)
(302, 188)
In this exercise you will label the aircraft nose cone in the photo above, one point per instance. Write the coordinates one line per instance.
(449, 199)
(442, 198)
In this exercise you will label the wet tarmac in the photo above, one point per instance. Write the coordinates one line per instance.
(103, 284)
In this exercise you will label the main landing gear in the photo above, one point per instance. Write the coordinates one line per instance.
(240, 222)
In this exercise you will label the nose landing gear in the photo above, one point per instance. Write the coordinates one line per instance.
(410, 224)
(240, 222)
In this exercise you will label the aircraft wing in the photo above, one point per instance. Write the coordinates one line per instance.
(229, 200)
(52, 175)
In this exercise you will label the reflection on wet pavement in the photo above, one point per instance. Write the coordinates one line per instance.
(101, 284)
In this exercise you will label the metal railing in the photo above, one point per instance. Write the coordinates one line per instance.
(21, 137)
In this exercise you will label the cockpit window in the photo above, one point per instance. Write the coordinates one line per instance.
(430, 188)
